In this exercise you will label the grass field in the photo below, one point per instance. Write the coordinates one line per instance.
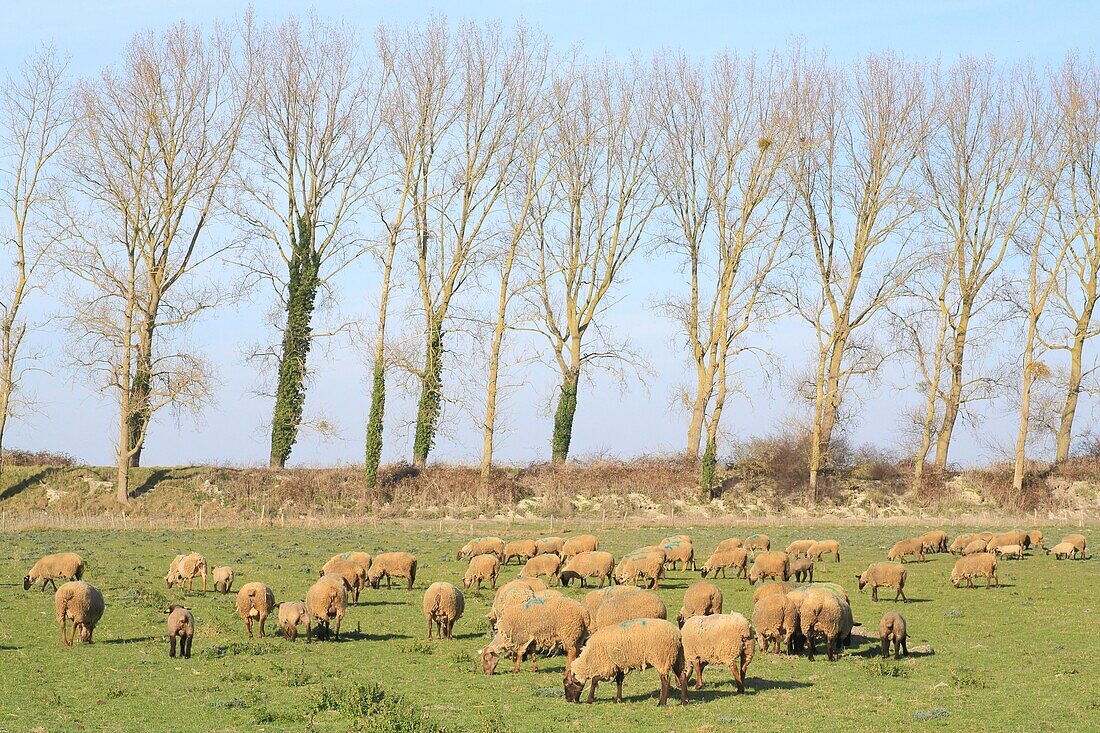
(1022, 657)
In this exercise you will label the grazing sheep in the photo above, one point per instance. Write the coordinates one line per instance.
(647, 563)
(522, 550)
(581, 543)
(974, 547)
(595, 599)
(255, 602)
(594, 564)
(884, 574)
(293, 614)
(616, 608)
(825, 614)
(772, 586)
(482, 568)
(960, 542)
(223, 579)
(512, 593)
(892, 630)
(1033, 538)
(934, 541)
(824, 547)
(539, 623)
(678, 551)
(802, 569)
(724, 638)
(363, 559)
(633, 644)
(82, 603)
(759, 542)
(443, 605)
(1063, 551)
(1080, 544)
(987, 536)
(800, 547)
(181, 625)
(981, 565)
(482, 546)
(187, 567)
(775, 618)
(62, 565)
(1014, 551)
(700, 599)
(549, 545)
(392, 565)
(547, 564)
(1015, 537)
(912, 546)
(351, 574)
(326, 601)
(731, 543)
(737, 557)
(770, 565)
(836, 588)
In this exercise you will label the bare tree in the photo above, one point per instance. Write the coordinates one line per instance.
(153, 145)
(590, 221)
(35, 126)
(851, 180)
(310, 143)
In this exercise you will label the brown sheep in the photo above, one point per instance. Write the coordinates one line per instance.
(576, 545)
(1033, 538)
(1013, 551)
(255, 601)
(772, 586)
(540, 623)
(1063, 551)
(802, 569)
(892, 630)
(731, 543)
(981, 565)
(647, 563)
(633, 644)
(62, 565)
(511, 593)
(890, 575)
(549, 545)
(960, 542)
(800, 547)
(595, 599)
(622, 607)
(326, 602)
(824, 547)
(443, 605)
(934, 541)
(522, 550)
(828, 615)
(700, 599)
(187, 567)
(1079, 542)
(392, 565)
(913, 546)
(82, 603)
(1015, 537)
(721, 560)
(181, 625)
(975, 547)
(718, 639)
(223, 579)
(293, 614)
(770, 565)
(351, 574)
(359, 558)
(547, 564)
(755, 542)
(775, 618)
(594, 564)
(482, 568)
(482, 546)
(678, 551)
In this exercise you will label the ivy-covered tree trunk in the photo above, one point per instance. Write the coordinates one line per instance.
(290, 395)
(563, 416)
(374, 423)
(710, 463)
(139, 397)
(431, 395)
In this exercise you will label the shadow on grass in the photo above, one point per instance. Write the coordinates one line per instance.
(130, 640)
(364, 636)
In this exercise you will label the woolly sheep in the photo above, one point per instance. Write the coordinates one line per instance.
(912, 546)
(934, 541)
(482, 568)
(772, 586)
(255, 601)
(61, 565)
(549, 545)
(359, 558)
(775, 618)
(802, 569)
(82, 603)
(1014, 551)
(961, 541)
(1033, 538)
(1015, 537)
(443, 605)
(482, 546)
(756, 542)
(392, 565)
(520, 549)
(723, 638)
(836, 588)
(223, 579)
(293, 614)
(351, 574)
(633, 644)
(1079, 542)
(799, 547)
(731, 543)
(547, 564)
(617, 608)
(181, 625)
(981, 565)
(1063, 551)
(700, 599)
(721, 560)
(892, 630)
(673, 538)
(974, 547)
(678, 550)
(595, 599)
(824, 547)
(884, 574)
(511, 593)
(187, 567)
(594, 564)
(987, 536)
(825, 614)
(769, 565)
(326, 602)
(576, 545)
(540, 623)
(647, 563)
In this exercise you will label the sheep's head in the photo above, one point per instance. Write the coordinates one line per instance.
(489, 659)
(573, 687)
(86, 633)
(955, 579)
(862, 581)
(170, 579)
(703, 572)
(27, 579)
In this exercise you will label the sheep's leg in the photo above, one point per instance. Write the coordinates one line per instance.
(248, 623)
(904, 646)
(204, 581)
(885, 647)
(338, 620)
(874, 594)
(664, 690)
(172, 645)
(263, 618)
(897, 648)
(592, 690)
(830, 648)
(450, 627)
(430, 628)
(699, 664)
(810, 647)
(619, 675)
(519, 662)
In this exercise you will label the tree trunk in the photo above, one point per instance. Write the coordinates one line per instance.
(563, 416)
(140, 390)
(376, 420)
(1073, 388)
(698, 415)
(1025, 409)
(954, 392)
(431, 394)
(290, 395)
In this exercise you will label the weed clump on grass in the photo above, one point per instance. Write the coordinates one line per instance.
(964, 677)
(933, 714)
(419, 646)
(144, 598)
(380, 711)
(884, 668)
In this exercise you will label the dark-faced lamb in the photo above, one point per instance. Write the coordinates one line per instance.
(802, 569)
(223, 579)
(181, 626)
(892, 630)
(293, 614)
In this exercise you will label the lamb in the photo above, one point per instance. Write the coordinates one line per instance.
(974, 547)
(223, 579)
(913, 546)
(825, 614)
(802, 569)
(581, 543)
(645, 563)
(633, 644)
(618, 608)
(187, 567)
(824, 547)
(293, 614)
(756, 542)
(326, 601)
(482, 568)
(595, 599)
(1033, 538)
(736, 557)
(548, 564)
(775, 618)
(731, 543)
(392, 565)
(892, 630)
(1080, 544)
(82, 603)
(549, 545)
(770, 565)
(723, 638)
(700, 599)
(443, 605)
(540, 623)
(800, 547)
(62, 565)
(520, 549)
(595, 564)
(981, 565)
(1063, 551)
(678, 551)
(351, 574)
(512, 593)
(884, 574)
(1010, 551)
(934, 541)
(255, 602)
(772, 586)
(1015, 537)
(482, 546)
(181, 625)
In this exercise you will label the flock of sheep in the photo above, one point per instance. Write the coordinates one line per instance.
(615, 629)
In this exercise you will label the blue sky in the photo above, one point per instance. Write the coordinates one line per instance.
(71, 416)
